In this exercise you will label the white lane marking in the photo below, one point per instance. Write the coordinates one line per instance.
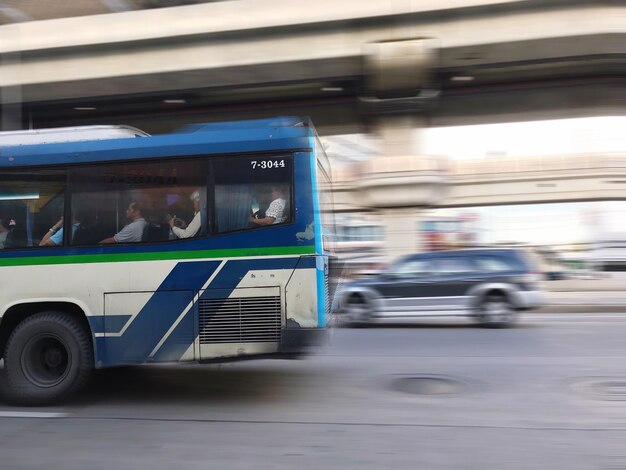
(182, 315)
(31, 414)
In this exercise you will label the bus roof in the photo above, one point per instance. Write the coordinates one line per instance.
(67, 134)
(261, 135)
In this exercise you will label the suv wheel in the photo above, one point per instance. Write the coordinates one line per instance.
(358, 311)
(495, 311)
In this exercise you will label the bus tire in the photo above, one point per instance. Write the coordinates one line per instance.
(48, 358)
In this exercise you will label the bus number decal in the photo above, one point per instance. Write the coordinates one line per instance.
(267, 164)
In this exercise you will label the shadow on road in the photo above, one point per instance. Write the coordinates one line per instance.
(226, 384)
(189, 384)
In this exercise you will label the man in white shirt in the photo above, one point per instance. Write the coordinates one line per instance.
(277, 212)
(196, 223)
(133, 232)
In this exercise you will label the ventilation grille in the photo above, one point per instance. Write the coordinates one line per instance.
(240, 320)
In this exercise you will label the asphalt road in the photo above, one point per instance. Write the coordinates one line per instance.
(550, 393)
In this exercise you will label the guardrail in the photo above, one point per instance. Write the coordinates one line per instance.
(501, 167)
(525, 166)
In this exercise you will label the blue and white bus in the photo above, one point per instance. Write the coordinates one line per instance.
(201, 245)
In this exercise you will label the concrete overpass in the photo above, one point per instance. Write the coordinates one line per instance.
(387, 187)
(488, 60)
(483, 182)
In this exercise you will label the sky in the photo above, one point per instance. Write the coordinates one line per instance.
(518, 139)
(545, 224)
(562, 136)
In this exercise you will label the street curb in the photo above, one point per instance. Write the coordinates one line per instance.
(577, 308)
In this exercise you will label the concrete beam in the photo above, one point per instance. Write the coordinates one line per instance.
(13, 14)
(209, 45)
(246, 16)
(487, 182)
(517, 55)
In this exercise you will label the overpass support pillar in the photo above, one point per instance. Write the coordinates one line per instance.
(11, 95)
(400, 90)
(401, 236)
(400, 183)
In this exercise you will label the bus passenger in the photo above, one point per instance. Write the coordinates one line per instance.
(4, 231)
(132, 232)
(54, 236)
(277, 211)
(194, 226)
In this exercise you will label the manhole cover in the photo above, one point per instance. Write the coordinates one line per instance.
(428, 385)
(612, 389)
(604, 389)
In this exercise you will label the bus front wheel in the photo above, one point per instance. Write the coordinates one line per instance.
(48, 358)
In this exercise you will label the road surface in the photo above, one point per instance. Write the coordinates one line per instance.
(550, 393)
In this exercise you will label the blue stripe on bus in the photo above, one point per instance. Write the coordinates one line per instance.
(306, 262)
(179, 340)
(235, 270)
(159, 314)
(221, 287)
(168, 302)
(108, 323)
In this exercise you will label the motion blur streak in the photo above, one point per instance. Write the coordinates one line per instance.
(478, 177)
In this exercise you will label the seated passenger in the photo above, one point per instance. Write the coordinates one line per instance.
(54, 236)
(277, 211)
(132, 232)
(178, 226)
(4, 231)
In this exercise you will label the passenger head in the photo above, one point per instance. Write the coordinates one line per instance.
(134, 211)
(195, 198)
(81, 215)
(4, 224)
(277, 191)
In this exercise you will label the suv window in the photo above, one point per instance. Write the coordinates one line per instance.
(412, 268)
(495, 264)
(453, 265)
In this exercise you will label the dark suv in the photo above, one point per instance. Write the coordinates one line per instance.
(490, 285)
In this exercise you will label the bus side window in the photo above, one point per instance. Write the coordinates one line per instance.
(252, 192)
(31, 207)
(164, 191)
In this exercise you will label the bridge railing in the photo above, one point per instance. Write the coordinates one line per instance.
(546, 166)
(345, 176)
(389, 166)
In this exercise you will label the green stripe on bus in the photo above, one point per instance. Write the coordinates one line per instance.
(158, 255)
